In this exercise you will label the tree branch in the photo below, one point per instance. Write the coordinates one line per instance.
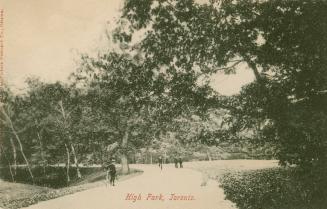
(254, 68)
(229, 67)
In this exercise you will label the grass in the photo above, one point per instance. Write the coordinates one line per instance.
(52, 176)
(17, 195)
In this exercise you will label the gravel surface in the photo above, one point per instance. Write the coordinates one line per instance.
(154, 187)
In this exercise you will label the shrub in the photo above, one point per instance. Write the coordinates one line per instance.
(277, 188)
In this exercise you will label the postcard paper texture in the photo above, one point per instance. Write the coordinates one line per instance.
(150, 104)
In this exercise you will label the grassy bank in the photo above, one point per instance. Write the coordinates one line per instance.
(17, 195)
(51, 176)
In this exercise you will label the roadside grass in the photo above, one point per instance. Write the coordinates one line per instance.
(51, 176)
(17, 195)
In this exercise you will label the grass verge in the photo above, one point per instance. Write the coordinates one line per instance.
(17, 195)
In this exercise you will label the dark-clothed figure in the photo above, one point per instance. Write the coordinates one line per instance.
(111, 172)
(176, 162)
(180, 162)
(160, 162)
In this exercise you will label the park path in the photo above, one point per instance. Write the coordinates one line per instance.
(153, 181)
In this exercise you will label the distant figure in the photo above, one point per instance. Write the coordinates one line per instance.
(176, 162)
(111, 172)
(160, 162)
(180, 162)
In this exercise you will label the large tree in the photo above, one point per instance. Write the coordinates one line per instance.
(138, 100)
(282, 42)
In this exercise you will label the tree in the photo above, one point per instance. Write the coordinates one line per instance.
(9, 120)
(282, 42)
(53, 111)
(119, 89)
(136, 99)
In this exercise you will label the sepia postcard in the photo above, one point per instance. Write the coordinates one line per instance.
(152, 104)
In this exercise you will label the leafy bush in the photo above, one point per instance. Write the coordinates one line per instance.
(277, 188)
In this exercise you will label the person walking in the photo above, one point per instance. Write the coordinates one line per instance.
(180, 162)
(111, 173)
(160, 162)
(176, 162)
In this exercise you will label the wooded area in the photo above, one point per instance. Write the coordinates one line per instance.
(155, 94)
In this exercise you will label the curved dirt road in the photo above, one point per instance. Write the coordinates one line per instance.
(153, 182)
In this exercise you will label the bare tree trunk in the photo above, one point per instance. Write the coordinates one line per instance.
(64, 116)
(165, 157)
(79, 175)
(11, 173)
(151, 159)
(124, 163)
(14, 154)
(102, 154)
(68, 163)
(19, 142)
(24, 156)
(41, 152)
(123, 158)
(208, 155)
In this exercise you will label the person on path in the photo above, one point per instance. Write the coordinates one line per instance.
(180, 162)
(111, 173)
(176, 162)
(160, 162)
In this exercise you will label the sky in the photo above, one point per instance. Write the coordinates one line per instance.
(43, 38)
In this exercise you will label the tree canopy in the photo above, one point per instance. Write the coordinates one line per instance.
(282, 42)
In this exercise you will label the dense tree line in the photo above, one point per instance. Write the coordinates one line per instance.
(113, 106)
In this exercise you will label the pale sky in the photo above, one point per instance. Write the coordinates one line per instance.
(43, 38)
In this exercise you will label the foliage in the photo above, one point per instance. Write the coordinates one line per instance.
(276, 188)
(282, 42)
(155, 93)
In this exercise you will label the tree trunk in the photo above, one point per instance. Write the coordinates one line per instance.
(151, 159)
(79, 175)
(19, 142)
(14, 154)
(24, 156)
(254, 68)
(68, 163)
(64, 116)
(41, 152)
(124, 163)
(11, 173)
(208, 155)
(165, 157)
(123, 157)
